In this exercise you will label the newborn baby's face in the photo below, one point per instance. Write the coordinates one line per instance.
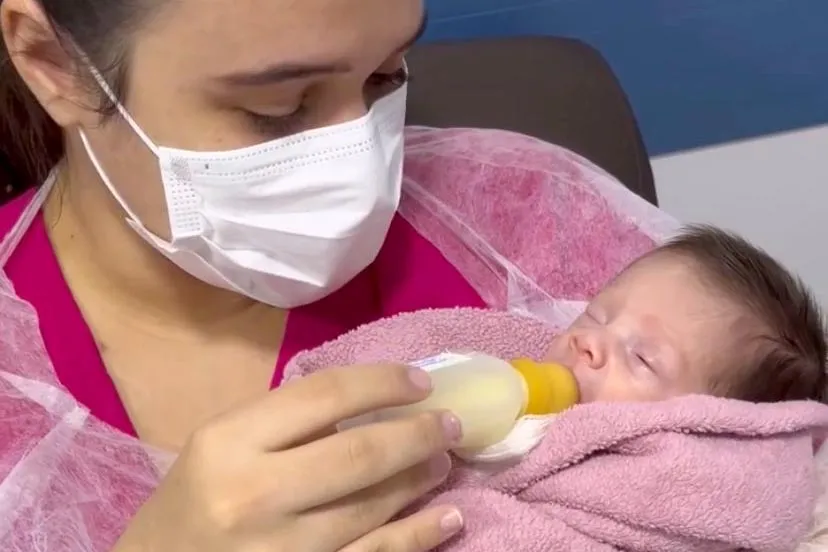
(654, 333)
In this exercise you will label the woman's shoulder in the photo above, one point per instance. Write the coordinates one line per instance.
(26, 236)
(12, 209)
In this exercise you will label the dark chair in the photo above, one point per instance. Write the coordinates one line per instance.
(556, 89)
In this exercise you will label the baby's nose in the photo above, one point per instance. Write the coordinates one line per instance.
(590, 348)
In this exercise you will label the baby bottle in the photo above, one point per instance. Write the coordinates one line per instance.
(488, 394)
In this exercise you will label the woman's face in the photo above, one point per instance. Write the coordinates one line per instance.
(226, 74)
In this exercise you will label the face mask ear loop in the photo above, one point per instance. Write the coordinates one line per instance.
(121, 109)
(131, 122)
(105, 178)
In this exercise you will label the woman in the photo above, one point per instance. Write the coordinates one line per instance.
(219, 186)
(165, 314)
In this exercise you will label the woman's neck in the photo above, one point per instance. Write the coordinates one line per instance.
(100, 253)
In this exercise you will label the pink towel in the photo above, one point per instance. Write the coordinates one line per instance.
(694, 473)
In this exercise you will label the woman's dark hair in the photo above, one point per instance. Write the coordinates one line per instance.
(30, 142)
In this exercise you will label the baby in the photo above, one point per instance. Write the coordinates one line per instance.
(707, 313)
(659, 457)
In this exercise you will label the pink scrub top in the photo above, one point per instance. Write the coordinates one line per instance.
(409, 274)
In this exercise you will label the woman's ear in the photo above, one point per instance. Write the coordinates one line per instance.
(49, 70)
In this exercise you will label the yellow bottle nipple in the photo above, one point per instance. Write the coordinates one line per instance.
(550, 387)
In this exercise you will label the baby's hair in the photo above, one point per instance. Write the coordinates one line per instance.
(786, 357)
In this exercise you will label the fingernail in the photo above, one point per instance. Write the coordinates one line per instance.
(439, 466)
(452, 427)
(420, 379)
(451, 523)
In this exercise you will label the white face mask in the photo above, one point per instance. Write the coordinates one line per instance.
(286, 222)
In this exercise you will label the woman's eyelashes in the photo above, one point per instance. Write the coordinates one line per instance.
(392, 80)
(377, 86)
(278, 125)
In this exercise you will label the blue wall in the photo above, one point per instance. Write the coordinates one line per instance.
(698, 72)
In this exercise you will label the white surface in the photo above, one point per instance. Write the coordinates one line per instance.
(772, 190)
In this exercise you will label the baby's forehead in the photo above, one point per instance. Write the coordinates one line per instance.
(668, 296)
(662, 271)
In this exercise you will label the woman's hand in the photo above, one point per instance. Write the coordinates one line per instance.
(272, 477)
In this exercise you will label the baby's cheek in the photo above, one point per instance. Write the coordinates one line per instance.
(556, 350)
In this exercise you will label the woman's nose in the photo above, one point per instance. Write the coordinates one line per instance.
(590, 348)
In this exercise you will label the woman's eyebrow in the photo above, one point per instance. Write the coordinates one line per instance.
(294, 70)
(282, 72)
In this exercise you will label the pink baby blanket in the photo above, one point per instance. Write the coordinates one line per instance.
(694, 473)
